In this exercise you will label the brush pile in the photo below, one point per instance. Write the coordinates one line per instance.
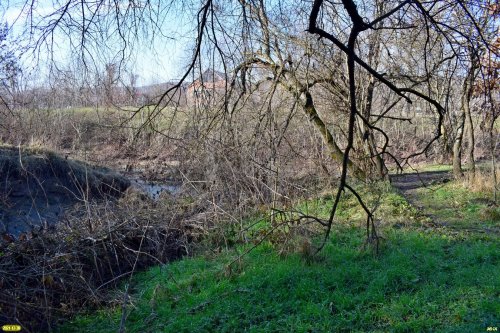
(51, 275)
(70, 232)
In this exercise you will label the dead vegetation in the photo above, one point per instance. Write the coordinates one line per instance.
(55, 264)
(38, 185)
(55, 274)
(36, 164)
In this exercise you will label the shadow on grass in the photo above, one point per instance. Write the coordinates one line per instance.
(420, 282)
(410, 181)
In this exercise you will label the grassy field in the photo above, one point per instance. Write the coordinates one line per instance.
(425, 279)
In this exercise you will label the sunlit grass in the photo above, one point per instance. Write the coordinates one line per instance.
(421, 281)
(431, 168)
(455, 206)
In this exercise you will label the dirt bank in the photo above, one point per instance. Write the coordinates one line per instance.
(37, 186)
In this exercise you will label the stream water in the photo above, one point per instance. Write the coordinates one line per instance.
(154, 188)
(29, 210)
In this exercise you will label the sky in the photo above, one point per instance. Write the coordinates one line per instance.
(154, 59)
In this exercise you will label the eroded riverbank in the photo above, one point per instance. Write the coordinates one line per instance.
(38, 186)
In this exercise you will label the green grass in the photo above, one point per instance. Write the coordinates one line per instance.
(456, 207)
(433, 167)
(419, 283)
(422, 281)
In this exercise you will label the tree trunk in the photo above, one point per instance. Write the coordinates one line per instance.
(335, 152)
(457, 149)
(447, 150)
(369, 140)
(465, 116)
(368, 136)
(467, 95)
(471, 163)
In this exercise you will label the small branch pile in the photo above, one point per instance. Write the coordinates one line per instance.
(55, 273)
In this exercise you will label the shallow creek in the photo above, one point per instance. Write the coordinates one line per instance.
(155, 189)
(28, 212)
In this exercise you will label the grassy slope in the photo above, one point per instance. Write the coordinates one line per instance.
(423, 280)
(457, 208)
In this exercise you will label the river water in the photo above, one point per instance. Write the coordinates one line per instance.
(29, 210)
(155, 188)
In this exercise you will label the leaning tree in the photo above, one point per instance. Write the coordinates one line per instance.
(352, 67)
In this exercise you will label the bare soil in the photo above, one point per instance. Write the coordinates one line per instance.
(408, 183)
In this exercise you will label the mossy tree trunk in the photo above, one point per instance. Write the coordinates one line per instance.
(335, 152)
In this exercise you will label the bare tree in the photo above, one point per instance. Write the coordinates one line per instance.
(361, 65)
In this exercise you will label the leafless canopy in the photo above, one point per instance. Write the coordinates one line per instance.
(362, 60)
